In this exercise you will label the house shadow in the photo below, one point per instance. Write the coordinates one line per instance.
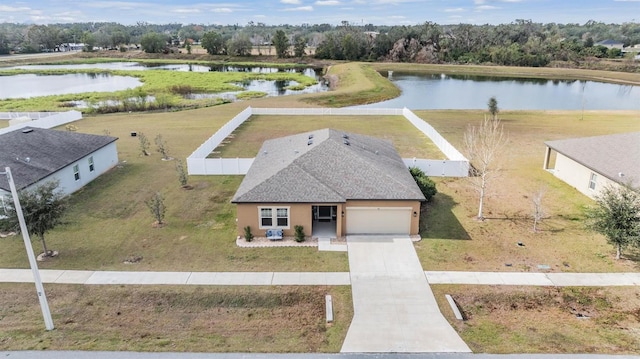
(437, 219)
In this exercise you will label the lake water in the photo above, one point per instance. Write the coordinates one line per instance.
(472, 92)
(29, 85)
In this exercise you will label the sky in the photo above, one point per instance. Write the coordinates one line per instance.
(296, 12)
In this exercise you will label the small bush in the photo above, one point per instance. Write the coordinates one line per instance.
(248, 236)
(426, 185)
(299, 233)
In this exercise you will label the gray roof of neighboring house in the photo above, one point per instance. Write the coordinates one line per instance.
(289, 169)
(35, 153)
(607, 155)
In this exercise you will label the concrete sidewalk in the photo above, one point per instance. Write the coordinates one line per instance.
(177, 278)
(59, 276)
(394, 308)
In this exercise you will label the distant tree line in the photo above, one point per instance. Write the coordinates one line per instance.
(520, 43)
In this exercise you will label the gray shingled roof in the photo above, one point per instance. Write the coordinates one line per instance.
(608, 155)
(288, 169)
(36, 154)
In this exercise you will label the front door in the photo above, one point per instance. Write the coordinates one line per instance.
(324, 220)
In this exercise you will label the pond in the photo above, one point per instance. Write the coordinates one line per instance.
(440, 91)
(29, 85)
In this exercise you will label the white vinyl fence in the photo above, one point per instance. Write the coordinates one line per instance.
(198, 163)
(40, 119)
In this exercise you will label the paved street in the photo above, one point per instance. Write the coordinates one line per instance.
(138, 355)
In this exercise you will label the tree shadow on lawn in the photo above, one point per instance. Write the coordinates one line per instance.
(437, 219)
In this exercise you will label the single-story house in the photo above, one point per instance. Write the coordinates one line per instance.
(610, 44)
(591, 163)
(330, 182)
(36, 155)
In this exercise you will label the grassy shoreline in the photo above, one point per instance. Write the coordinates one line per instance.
(623, 78)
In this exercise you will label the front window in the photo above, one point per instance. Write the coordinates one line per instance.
(266, 217)
(283, 217)
(91, 167)
(274, 217)
(76, 172)
(593, 181)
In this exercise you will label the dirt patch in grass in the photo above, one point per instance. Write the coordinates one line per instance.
(194, 319)
(502, 319)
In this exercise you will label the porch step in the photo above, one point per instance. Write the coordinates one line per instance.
(324, 244)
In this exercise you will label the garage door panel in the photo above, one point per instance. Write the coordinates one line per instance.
(378, 220)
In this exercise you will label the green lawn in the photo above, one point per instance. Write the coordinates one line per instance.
(108, 221)
(409, 142)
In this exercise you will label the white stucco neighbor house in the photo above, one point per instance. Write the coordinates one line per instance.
(589, 164)
(36, 155)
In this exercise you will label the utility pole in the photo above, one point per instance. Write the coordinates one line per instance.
(48, 322)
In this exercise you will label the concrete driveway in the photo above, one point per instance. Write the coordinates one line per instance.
(394, 307)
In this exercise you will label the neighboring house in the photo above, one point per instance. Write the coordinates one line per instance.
(330, 182)
(611, 44)
(36, 155)
(591, 163)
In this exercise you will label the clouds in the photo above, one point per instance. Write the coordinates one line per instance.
(273, 12)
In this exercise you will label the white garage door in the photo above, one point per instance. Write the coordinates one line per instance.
(378, 220)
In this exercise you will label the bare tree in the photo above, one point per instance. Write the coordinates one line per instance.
(161, 145)
(182, 173)
(538, 211)
(144, 144)
(483, 144)
(157, 207)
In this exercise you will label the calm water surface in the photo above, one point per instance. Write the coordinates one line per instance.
(473, 92)
(30, 85)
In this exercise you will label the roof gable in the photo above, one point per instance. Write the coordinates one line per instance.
(609, 155)
(332, 166)
(36, 153)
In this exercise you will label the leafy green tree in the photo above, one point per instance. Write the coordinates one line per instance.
(426, 185)
(44, 37)
(153, 43)
(492, 105)
(4, 43)
(239, 46)
(281, 43)
(89, 41)
(617, 217)
(299, 46)
(43, 208)
(212, 42)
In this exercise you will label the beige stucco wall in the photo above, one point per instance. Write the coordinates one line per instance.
(578, 176)
(415, 207)
(248, 214)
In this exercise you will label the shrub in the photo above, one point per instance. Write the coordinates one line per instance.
(157, 207)
(248, 236)
(426, 185)
(299, 233)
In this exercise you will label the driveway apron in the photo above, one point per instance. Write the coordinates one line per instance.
(394, 307)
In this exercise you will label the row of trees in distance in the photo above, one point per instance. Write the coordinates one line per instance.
(522, 42)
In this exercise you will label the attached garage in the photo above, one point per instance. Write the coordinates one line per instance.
(378, 220)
